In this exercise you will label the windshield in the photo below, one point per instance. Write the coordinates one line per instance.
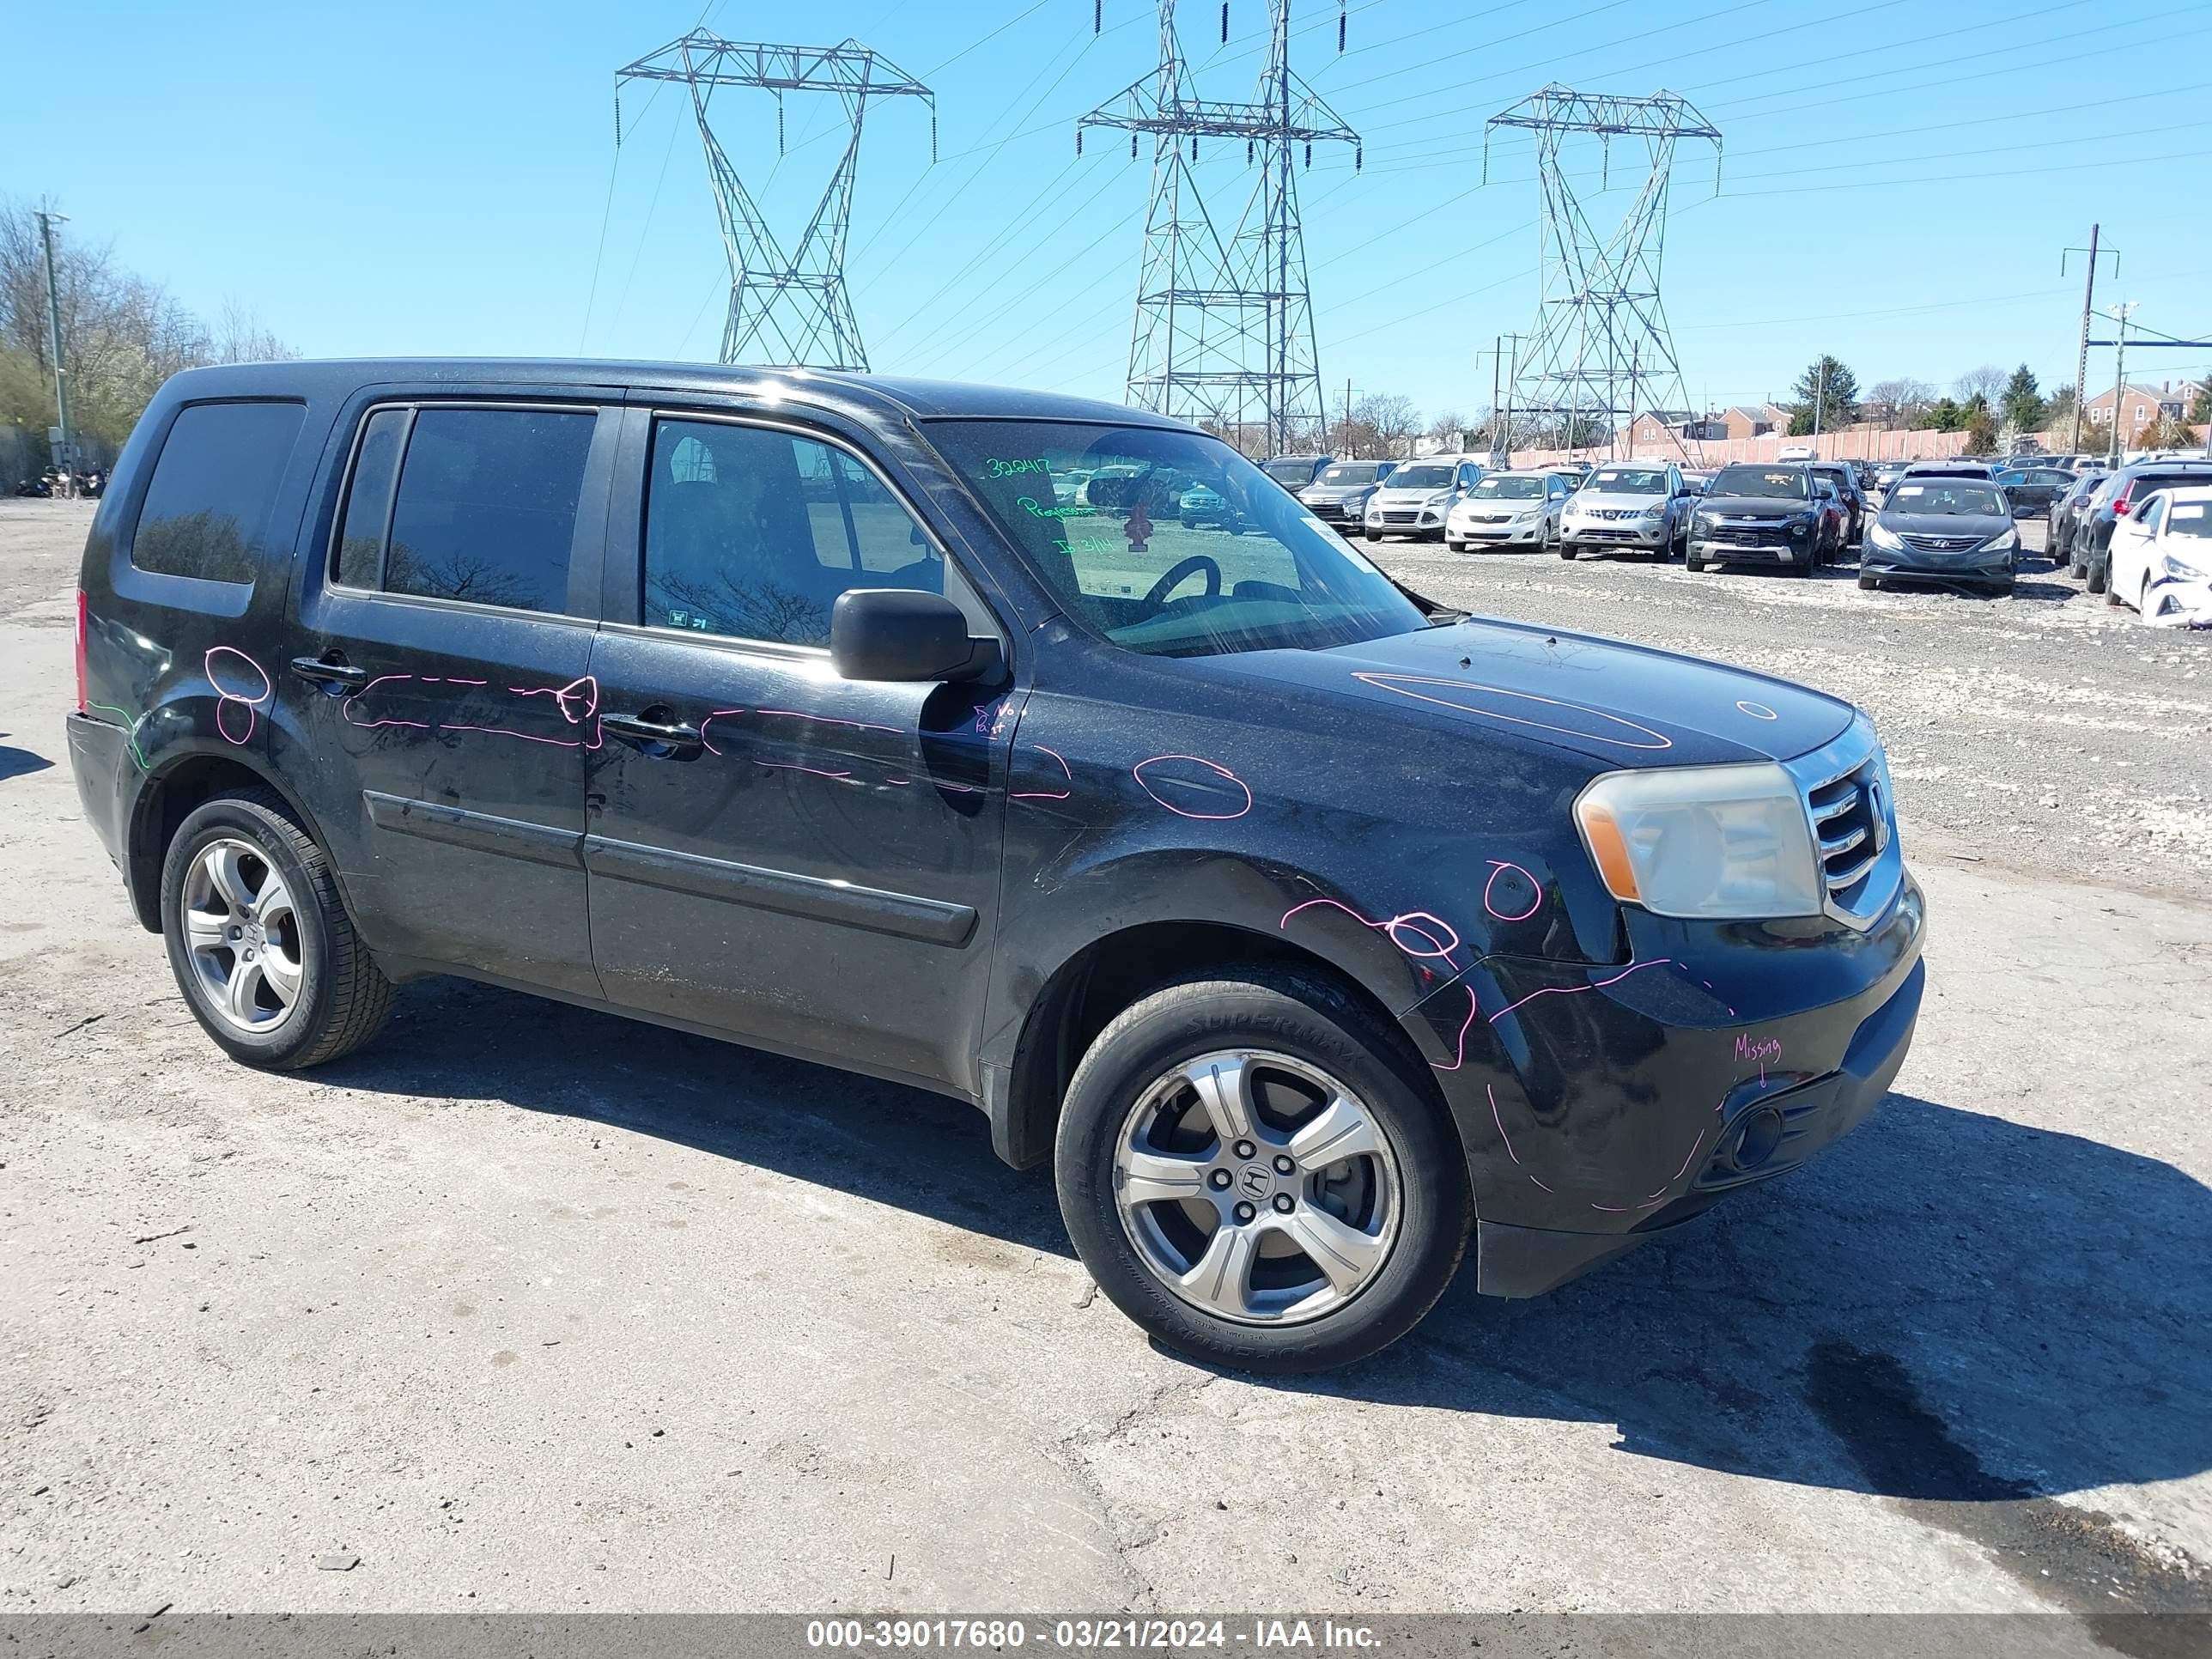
(1953, 499)
(1779, 483)
(1257, 573)
(1625, 481)
(1355, 473)
(1289, 473)
(1414, 475)
(1495, 488)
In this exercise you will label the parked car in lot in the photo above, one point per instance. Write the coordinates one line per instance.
(2161, 558)
(1885, 475)
(1761, 513)
(2033, 490)
(1417, 495)
(1695, 479)
(1957, 531)
(2114, 500)
(1202, 504)
(1339, 495)
(554, 676)
(1960, 467)
(1632, 508)
(1849, 497)
(1508, 509)
(1295, 472)
(2065, 511)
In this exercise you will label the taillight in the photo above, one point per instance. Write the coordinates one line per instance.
(84, 609)
(2120, 503)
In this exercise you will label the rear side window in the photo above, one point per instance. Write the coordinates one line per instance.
(473, 504)
(486, 509)
(207, 507)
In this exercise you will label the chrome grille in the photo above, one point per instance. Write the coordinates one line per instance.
(1397, 518)
(1854, 825)
(1941, 544)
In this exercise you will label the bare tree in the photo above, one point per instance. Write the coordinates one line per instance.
(241, 338)
(1899, 401)
(122, 336)
(1985, 383)
(1392, 420)
(1449, 428)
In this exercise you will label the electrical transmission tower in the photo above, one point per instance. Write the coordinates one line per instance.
(1600, 352)
(1224, 319)
(784, 309)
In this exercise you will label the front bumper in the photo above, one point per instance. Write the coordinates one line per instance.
(1585, 535)
(1720, 550)
(1600, 1104)
(1979, 564)
(1495, 535)
(1351, 512)
(2172, 602)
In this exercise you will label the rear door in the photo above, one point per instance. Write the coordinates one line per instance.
(440, 687)
(807, 862)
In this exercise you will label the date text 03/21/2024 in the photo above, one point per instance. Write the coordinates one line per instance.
(1086, 1635)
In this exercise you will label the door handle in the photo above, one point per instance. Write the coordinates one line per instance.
(332, 671)
(661, 737)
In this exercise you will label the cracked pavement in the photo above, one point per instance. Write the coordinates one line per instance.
(533, 1308)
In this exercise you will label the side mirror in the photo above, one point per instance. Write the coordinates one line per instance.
(904, 633)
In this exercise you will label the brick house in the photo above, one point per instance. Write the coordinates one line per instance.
(1753, 420)
(2140, 405)
(1656, 429)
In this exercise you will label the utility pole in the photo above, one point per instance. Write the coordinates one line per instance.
(2120, 315)
(47, 220)
(1820, 405)
(2088, 301)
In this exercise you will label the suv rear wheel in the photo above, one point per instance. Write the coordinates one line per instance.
(1251, 1171)
(261, 946)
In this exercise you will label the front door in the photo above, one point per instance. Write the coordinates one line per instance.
(442, 686)
(804, 861)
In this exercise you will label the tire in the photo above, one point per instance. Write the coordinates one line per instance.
(339, 999)
(1869, 583)
(2096, 575)
(1566, 551)
(2112, 593)
(1456, 547)
(1373, 535)
(1308, 1040)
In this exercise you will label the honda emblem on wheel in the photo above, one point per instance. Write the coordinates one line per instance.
(1254, 1181)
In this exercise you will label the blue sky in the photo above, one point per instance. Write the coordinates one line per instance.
(1899, 181)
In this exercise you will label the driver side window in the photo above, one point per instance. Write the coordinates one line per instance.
(752, 533)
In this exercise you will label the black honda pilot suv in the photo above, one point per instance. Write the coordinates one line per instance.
(1312, 930)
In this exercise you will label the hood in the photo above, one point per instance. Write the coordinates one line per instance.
(1753, 506)
(1612, 503)
(1390, 494)
(1332, 492)
(1620, 705)
(1973, 528)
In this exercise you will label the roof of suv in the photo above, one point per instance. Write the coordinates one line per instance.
(878, 394)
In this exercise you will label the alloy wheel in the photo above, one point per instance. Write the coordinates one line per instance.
(1257, 1187)
(242, 936)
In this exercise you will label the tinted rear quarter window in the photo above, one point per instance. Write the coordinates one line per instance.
(207, 506)
(486, 509)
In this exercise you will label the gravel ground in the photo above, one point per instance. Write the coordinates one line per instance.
(527, 1307)
(2048, 731)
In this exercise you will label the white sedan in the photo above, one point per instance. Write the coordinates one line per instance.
(2161, 559)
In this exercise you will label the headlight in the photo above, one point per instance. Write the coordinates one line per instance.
(1658, 511)
(1711, 841)
(1888, 540)
(1527, 516)
(2004, 542)
(2182, 570)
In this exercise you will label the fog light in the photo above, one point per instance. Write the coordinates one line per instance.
(1755, 1140)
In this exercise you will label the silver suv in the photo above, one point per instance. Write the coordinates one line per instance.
(1414, 499)
(1628, 507)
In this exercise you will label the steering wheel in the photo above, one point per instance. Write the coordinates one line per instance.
(1166, 585)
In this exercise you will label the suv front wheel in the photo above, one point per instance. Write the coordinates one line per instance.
(1253, 1170)
(259, 941)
